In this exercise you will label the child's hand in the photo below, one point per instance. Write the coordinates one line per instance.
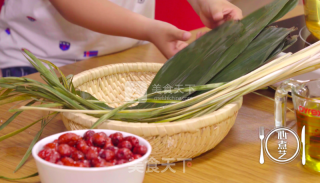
(168, 38)
(215, 12)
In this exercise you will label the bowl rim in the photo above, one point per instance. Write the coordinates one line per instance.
(90, 169)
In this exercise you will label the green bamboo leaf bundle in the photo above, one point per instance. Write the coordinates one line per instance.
(256, 54)
(270, 42)
(198, 63)
(225, 64)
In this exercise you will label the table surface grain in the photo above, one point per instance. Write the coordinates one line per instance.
(235, 159)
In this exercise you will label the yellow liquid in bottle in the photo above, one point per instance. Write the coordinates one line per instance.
(312, 16)
(312, 139)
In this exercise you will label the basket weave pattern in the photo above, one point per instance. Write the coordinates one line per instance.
(177, 140)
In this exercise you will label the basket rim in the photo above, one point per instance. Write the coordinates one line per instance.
(110, 69)
(147, 129)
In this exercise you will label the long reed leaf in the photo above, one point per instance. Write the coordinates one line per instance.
(63, 78)
(6, 92)
(56, 83)
(15, 98)
(44, 123)
(22, 129)
(15, 115)
(20, 178)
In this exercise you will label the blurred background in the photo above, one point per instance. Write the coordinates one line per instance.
(181, 14)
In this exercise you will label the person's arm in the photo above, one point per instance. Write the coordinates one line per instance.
(106, 17)
(215, 12)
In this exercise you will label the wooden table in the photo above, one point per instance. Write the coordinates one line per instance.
(235, 159)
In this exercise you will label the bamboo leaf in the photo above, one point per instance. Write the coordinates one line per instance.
(49, 105)
(45, 80)
(15, 98)
(254, 24)
(6, 92)
(289, 42)
(131, 115)
(67, 96)
(14, 116)
(34, 141)
(63, 79)
(2, 90)
(11, 179)
(6, 96)
(112, 113)
(43, 70)
(254, 55)
(87, 96)
(52, 71)
(162, 101)
(116, 110)
(288, 7)
(22, 129)
(182, 69)
(70, 83)
(207, 50)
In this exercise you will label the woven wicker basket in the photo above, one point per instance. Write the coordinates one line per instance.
(177, 140)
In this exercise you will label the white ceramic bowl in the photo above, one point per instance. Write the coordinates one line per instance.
(132, 172)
